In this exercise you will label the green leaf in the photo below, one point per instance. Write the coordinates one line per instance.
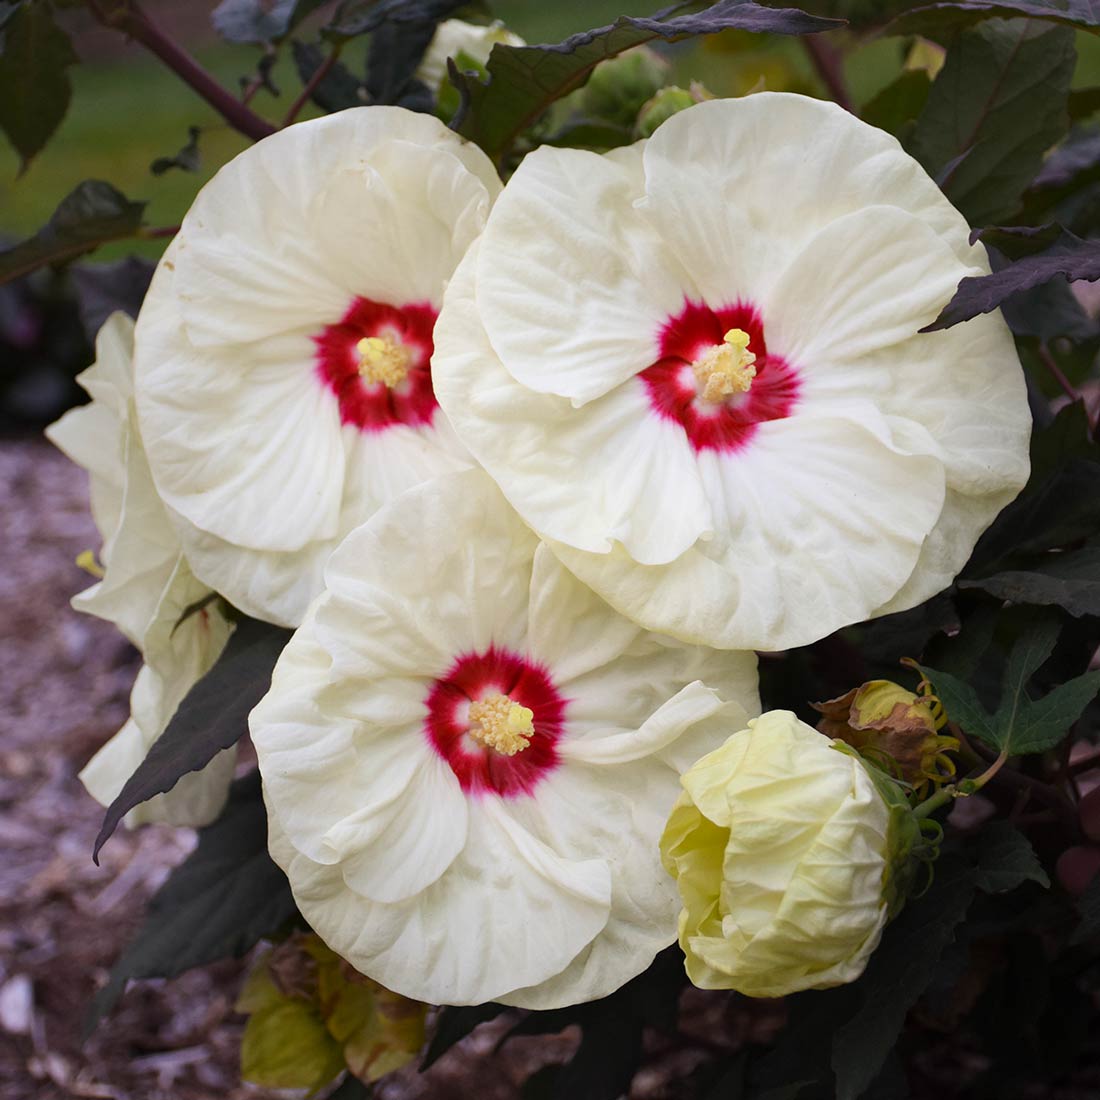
(212, 717)
(93, 214)
(1032, 649)
(34, 86)
(1070, 580)
(1006, 860)
(455, 1024)
(961, 702)
(187, 159)
(996, 107)
(221, 901)
(255, 22)
(899, 972)
(940, 18)
(1067, 255)
(1021, 725)
(896, 108)
(287, 1046)
(523, 81)
(1045, 722)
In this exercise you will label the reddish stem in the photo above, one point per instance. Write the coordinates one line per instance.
(130, 20)
(829, 66)
(160, 231)
(310, 87)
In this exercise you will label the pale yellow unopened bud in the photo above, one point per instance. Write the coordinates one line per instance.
(789, 856)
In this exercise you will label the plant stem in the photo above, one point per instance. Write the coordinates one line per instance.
(1058, 374)
(159, 232)
(319, 74)
(829, 66)
(930, 805)
(962, 789)
(130, 20)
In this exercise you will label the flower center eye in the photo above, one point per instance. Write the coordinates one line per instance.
(725, 368)
(501, 725)
(384, 359)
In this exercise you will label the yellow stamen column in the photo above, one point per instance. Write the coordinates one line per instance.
(498, 723)
(383, 359)
(726, 368)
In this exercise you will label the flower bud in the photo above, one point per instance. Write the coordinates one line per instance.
(886, 722)
(666, 103)
(790, 854)
(618, 88)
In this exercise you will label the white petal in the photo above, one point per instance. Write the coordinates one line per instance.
(572, 630)
(735, 186)
(276, 587)
(611, 470)
(409, 592)
(978, 414)
(322, 768)
(889, 276)
(94, 435)
(692, 704)
(382, 466)
(616, 675)
(364, 201)
(577, 309)
(394, 850)
(613, 815)
(823, 521)
(454, 944)
(225, 443)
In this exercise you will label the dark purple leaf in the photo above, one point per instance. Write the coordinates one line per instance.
(1069, 256)
(947, 17)
(212, 717)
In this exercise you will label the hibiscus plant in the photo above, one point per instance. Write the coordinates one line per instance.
(649, 534)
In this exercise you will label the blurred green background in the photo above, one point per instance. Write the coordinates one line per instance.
(127, 109)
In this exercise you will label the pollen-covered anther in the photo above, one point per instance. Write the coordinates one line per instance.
(501, 725)
(726, 368)
(383, 359)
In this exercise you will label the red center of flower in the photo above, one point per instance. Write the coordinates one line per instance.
(496, 697)
(377, 361)
(692, 344)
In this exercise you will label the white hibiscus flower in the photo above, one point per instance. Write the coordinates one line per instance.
(458, 39)
(468, 758)
(284, 349)
(694, 365)
(147, 587)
